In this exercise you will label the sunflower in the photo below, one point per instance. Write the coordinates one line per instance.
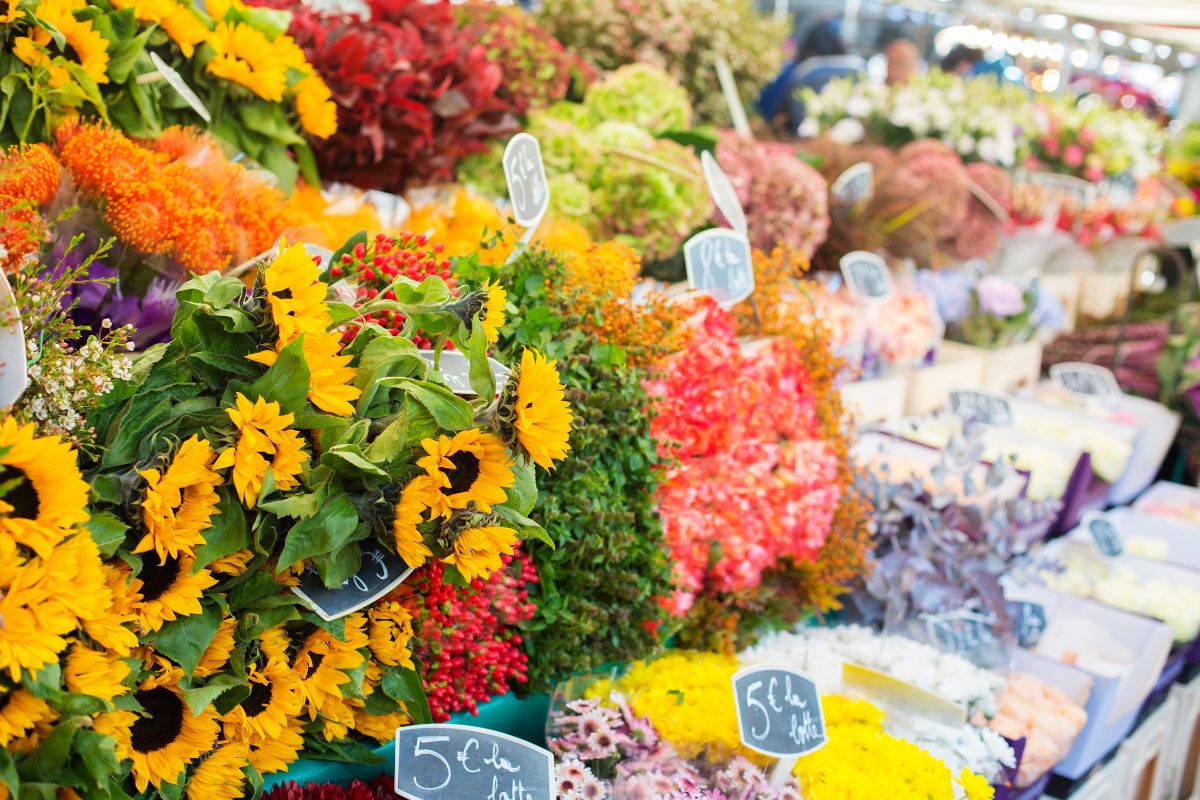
(88, 46)
(232, 565)
(263, 432)
(220, 776)
(315, 107)
(380, 727)
(324, 663)
(180, 502)
(410, 544)
(12, 12)
(493, 311)
(245, 56)
(94, 673)
(476, 551)
(390, 632)
(168, 590)
(216, 655)
(471, 467)
(40, 481)
(534, 412)
(274, 755)
(165, 737)
(337, 718)
(20, 712)
(111, 629)
(275, 643)
(294, 294)
(34, 628)
(329, 375)
(274, 700)
(183, 26)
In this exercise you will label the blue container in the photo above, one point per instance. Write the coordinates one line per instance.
(521, 717)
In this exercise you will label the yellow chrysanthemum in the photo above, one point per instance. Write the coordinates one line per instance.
(246, 56)
(168, 591)
(390, 630)
(315, 107)
(20, 712)
(90, 672)
(216, 655)
(410, 544)
(164, 738)
(274, 701)
(233, 564)
(493, 311)
(476, 551)
(180, 502)
(263, 432)
(329, 373)
(471, 467)
(220, 776)
(541, 417)
(41, 482)
(85, 42)
(976, 786)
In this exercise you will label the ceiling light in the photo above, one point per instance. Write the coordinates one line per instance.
(1082, 30)
(1112, 38)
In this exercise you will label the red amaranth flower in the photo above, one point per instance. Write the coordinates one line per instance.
(378, 789)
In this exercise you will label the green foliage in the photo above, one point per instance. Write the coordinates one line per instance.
(598, 601)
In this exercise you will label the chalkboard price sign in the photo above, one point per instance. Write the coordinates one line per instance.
(1029, 620)
(718, 262)
(379, 573)
(855, 185)
(1083, 378)
(457, 762)
(528, 188)
(866, 276)
(723, 193)
(1106, 536)
(778, 711)
(982, 407)
(960, 634)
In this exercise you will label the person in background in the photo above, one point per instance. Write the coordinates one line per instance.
(820, 59)
(961, 60)
(903, 59)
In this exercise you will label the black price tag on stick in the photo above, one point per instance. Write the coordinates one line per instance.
(960, 634)
(855, 185)
(1029, 621)
(1105, 535)
(982, 407)
(461, 762)
(718, 262)
(379, 573)
(778, 711)
(528, 188)
(867, 276)
(1083, 378)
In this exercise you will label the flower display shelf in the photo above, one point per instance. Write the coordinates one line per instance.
(1005, 369)
(521, 717)
(876, 399)
(953, 367)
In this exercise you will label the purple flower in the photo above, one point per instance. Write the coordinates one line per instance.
(950, 290)
(999, 296)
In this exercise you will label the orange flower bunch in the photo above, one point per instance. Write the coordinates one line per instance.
(29, 178)
(599, 283)
(179, 197)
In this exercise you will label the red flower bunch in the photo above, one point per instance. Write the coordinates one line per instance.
(751, 483)
(465, 638)
(376, 264)
(378, 789)
(537, 68)
(414, 94)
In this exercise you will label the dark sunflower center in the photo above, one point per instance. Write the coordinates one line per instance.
(259, 699)
(283, 294)
(157, 578)
(162, 723)
(466, 470)
(20, 493)
(314, 660)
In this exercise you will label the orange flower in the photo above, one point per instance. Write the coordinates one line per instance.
(30, 172)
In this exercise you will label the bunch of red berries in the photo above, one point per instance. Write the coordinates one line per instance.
(375, 265)
(466, 637)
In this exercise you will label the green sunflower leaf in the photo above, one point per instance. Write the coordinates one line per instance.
(184, 640)
(202, 697)
(522, 495)
(228, 533)
(404, 686)
(107, 531)
(328, 531)
(97, 756)
(52, 754)
(351, 455)
(449, 411)
(286, 382)
(482, 379)
(523, 525)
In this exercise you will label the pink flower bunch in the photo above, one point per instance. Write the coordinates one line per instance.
(750, 482)
(785, 199)
(940, 179)
(980, 233)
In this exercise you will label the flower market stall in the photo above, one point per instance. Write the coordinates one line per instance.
(430, 400)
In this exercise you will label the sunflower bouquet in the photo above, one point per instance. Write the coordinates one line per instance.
(145, 65)
(161, 649)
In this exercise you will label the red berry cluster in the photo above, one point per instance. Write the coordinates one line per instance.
(465, 637)
(375, 265)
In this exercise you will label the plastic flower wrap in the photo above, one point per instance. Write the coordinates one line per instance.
(1044, 717)
(682, 38)
(413, 94)
(254, 452)
(237, 61)
(784, 198)
(601, 595)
